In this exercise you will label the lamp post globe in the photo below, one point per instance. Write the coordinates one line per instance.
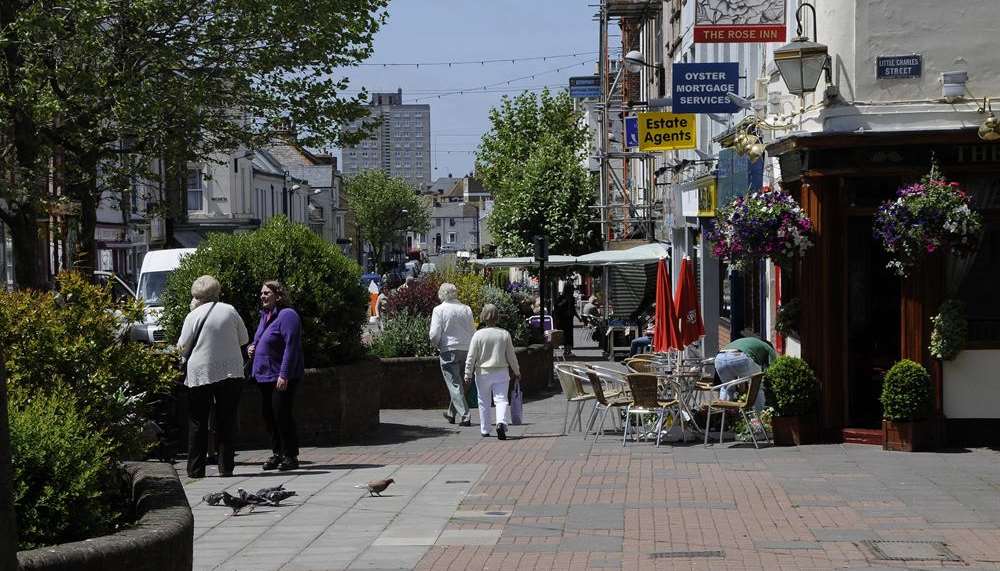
(634, 62)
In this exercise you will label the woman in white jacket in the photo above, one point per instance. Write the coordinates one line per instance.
(212, 335)
(491, 354)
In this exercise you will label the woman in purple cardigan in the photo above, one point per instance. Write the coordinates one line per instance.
(278, 369)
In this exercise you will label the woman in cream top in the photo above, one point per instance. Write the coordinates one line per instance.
(491, 354)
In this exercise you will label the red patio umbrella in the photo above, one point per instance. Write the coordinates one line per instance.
(686, 306)
(665, 335)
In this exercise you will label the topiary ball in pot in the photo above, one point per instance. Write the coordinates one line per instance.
(791, 387)
(906, 392)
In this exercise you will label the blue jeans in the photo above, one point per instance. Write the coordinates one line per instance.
(732, 365)
(453, 371)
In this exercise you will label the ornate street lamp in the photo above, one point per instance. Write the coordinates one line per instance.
(801, 61)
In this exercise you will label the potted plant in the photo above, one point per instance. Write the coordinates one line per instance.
(950, 330)
(792, 389)
(758, 226)
(929, 216)
(906, 403)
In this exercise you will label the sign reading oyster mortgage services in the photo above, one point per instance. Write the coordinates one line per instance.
(739, 21)
(667, 131)
(702, 87)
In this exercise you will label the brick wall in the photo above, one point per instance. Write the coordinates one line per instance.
(162, 539)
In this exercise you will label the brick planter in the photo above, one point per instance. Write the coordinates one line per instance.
(161, 539)
(909, 436)
(416, 382)
(333, 405)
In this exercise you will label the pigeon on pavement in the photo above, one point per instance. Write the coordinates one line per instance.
(250, 498)
(376, 487)
(213, 499)
(265, 491)
(275, 497)
(236, 503)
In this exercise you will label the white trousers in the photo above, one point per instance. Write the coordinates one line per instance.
(493, 383)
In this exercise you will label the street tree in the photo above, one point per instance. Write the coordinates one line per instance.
(385, 207)
(531, 160)
(100, 89)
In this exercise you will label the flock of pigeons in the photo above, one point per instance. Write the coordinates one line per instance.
(262, 497)
(275, 495)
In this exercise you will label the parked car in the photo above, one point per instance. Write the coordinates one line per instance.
(157, 266)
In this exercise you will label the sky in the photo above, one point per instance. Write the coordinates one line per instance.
(464, 30)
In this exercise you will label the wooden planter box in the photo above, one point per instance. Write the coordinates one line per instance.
(793, 430)
(907, 436)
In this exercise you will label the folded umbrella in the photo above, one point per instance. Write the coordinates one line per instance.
(665, 336)
(687, 307)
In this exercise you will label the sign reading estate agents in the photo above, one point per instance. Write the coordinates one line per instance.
(702, 87)
(899, 67)
(739, 21)
(667, 131)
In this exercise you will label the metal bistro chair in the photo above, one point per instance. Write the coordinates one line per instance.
(605, 402)
(643, 387)
(745, 407)
(572, 388)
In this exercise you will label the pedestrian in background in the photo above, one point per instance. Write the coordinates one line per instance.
(213, 335)
(565, 307)
(278, 368)
(491, 358)
(451, 330)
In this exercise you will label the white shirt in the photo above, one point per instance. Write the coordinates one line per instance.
(217, 355)
(451, 326)
(491, 349)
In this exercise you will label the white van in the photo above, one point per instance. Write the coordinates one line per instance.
(157, 265)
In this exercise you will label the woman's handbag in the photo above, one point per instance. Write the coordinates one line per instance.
(516, 404)
(182, 364)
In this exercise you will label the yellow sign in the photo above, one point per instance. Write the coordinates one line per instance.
(667, 131)
(699, 199)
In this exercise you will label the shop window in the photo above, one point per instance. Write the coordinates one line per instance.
(195, 190)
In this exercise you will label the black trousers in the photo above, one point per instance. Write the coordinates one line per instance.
(225, 395)
(276, 408)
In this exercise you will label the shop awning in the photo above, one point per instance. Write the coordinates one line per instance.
(524, 262)
(644, 254)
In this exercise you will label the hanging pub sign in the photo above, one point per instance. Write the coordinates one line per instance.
(739, 21)
(702, 87)
(667, 131)
(899, 67)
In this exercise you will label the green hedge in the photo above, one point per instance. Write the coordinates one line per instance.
(906, 392)
(64, 486)
(404, 334)
(324, 285)
(790, 386)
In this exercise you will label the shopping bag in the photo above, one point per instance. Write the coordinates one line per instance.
(516, 404)
(471, 395)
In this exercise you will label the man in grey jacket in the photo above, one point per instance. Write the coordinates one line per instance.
(451, 331)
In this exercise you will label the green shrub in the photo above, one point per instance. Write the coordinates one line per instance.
(906, 392)
(950, 330)
(63, 483)
(404, 334)
(470, 288)
(73, 339)
(787, 322)
(790, 386)
(323, 284)
(510, 314)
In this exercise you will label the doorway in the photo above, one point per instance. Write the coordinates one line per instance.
(873, 322)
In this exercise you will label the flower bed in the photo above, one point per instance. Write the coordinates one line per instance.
(758, 226)
(929, 216)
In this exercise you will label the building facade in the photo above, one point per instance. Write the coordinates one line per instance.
(400, 145)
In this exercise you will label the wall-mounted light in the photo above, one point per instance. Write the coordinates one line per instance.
(990, 129)
(801, 61)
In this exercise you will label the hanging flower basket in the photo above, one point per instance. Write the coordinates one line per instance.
(761, 225)
(929, 216)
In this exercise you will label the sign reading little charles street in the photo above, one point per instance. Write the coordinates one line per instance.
(667, 131)
(702, 87)
(899, 67)
(739, 21)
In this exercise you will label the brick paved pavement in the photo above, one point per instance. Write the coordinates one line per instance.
(545, 501)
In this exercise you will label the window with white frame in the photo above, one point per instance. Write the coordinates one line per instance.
(195, 190)
(452, 237)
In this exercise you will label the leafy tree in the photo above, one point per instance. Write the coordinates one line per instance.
(532, 161)
(385, 207)
(96, 85)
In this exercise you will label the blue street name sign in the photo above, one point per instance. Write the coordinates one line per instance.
(702, 87)
(585, 87)
(899, 67)
(631, 132)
